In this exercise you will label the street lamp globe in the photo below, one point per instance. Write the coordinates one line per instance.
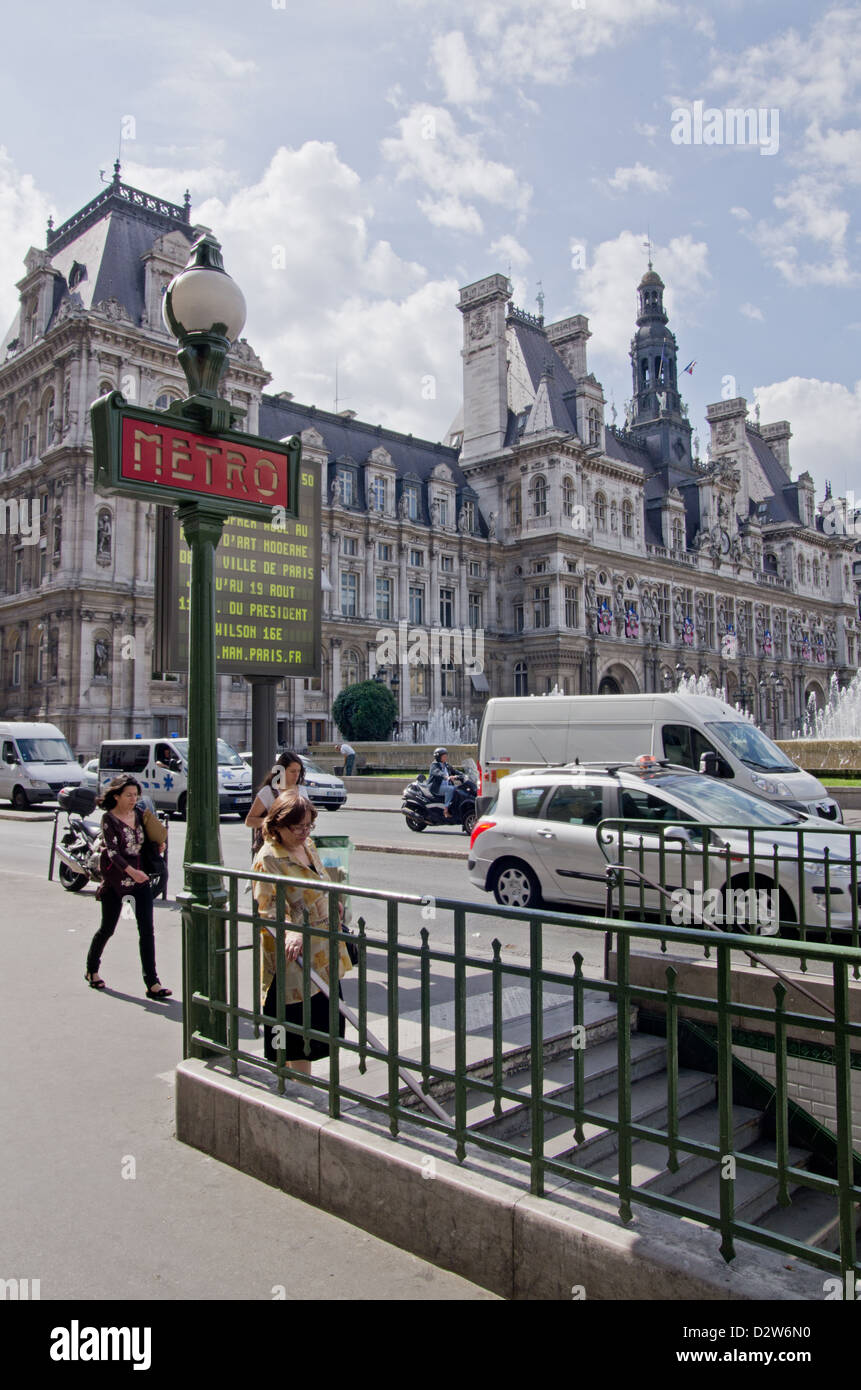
(205, 310)
(202, 298)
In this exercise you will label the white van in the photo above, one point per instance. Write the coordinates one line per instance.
(535, 730)
(35, 763)
(161, 767)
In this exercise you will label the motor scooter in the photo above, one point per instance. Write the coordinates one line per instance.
(80, 845)
(422, 808)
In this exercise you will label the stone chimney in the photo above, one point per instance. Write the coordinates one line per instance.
(569, 337)
(777, 436)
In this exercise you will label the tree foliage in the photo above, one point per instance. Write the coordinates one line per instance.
(366, 712)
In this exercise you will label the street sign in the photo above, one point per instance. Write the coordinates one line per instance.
(155, 456)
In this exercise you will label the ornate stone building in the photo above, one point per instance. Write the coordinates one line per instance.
(556, 549)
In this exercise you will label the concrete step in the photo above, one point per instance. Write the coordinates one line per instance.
(648, 1107)
(755, 1193)
(648, 1056)
(702, 1127)
(811, 1217)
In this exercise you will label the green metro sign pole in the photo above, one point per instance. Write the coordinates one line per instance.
(191, 457)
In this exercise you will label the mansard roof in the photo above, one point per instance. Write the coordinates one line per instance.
(783, 502)
(415, 458)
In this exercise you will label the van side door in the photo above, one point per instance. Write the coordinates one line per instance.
(8, 767)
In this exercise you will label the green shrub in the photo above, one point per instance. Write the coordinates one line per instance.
(365, 712)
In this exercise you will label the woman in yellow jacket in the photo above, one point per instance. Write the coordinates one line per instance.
(287, 850)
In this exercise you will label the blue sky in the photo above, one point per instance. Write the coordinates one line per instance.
(361, 161)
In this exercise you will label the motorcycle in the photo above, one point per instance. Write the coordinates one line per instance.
(79, 848)
(421, 808)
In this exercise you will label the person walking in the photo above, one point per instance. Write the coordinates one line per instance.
(287, 773)
(349, 758)
(288, 851)
(124, 880)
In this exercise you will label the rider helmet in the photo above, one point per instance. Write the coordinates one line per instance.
(437, 752)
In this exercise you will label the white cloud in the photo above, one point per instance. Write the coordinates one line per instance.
(457, 70)
(644, 128)
(299, 242)
(741, 213)
(227, 66)
(607, 287)
(24, 210)
(814, 76)
(201, 182)
(431, 150)
(838, 151)
(825, 417)
(639, 177)
(810, 214)
(750, 311)
(507, 248)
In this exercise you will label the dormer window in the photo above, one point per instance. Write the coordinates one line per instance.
(378, 494)
(594, 421)
(77, 274)
(467, 516)
(411, 496)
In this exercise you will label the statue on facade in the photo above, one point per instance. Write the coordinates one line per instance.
(403, 507)
(336, 491)
(491, 525)
(434, 512)
(103, 536)
(58, 531)
(101, 657)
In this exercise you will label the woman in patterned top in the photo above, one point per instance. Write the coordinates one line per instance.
(288, 851)
(124, 879)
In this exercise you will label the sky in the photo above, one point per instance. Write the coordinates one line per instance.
(361, 160)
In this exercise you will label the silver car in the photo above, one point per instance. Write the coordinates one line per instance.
(539, 842)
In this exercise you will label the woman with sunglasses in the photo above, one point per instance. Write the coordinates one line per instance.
(287, 850)
(287, 774)
(124, 879)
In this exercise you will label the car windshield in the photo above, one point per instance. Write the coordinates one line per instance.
(311, 767)
(751, 746)
(227, 756)
(45, 750)
(717, 804)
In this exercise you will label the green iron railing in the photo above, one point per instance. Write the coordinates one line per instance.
(232, 1001)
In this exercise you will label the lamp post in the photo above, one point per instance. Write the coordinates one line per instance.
(205, 311)
(775, 683)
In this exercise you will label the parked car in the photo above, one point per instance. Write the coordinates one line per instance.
(538, 842)
(91, 774)
(324, 789)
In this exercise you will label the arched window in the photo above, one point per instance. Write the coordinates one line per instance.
(521, 680)
(47, 421)
(27, 439)
(816, 573)
(600, 511)
(538, 491)
(594, 419)
(628, 520)
(166, 399)
(567, 496)
(42, 657)
(514, 515)
(350, 669)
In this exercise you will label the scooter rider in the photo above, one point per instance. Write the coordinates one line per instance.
(440, 780)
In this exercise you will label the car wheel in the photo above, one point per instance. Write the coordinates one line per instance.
(415, 824)
(515, 885)
(785, 909)
(19, 799)
(72, 882)
(181, 805)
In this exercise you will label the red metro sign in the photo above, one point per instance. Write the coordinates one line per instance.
(155, 456)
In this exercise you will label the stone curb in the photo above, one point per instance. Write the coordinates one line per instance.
(27, 815)
(487, 1230)
(408, 849)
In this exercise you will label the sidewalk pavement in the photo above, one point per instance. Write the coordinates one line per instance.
(99, 1200)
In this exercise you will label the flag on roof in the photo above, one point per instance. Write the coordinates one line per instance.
(690, 367)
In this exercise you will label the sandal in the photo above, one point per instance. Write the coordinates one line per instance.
(94, 980)
(158, 991)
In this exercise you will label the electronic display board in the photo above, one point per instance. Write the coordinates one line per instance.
(267, 592)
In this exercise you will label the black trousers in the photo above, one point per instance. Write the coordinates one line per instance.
(294, 1046)
(112, 906)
